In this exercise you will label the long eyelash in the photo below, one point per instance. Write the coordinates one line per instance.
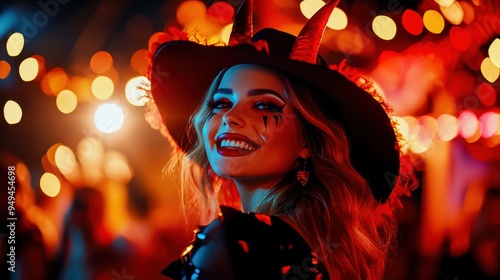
(211, 104)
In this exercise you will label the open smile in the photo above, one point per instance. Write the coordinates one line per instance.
(233, 145)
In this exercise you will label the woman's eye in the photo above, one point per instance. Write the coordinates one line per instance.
(219, 104)
(269, 107)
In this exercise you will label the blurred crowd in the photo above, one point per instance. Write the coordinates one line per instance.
(73, 239)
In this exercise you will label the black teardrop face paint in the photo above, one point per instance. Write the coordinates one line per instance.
(276, 118)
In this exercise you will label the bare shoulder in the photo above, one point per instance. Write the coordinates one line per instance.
(212, 258)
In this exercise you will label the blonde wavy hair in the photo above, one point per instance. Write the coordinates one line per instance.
(349, 231)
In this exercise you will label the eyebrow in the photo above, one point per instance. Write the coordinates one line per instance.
(252, 92)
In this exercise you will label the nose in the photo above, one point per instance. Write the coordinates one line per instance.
(233, 117)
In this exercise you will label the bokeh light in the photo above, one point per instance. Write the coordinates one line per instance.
(117, 168)
(12, 112)
(54, 81)
(468, 124)
(445, 3)
(453, 13)
(447, 127)
(384, 27)
(338, 20)
(490, 123)
(109, 118)
(430, 124)
(486, 94)
(101, 61)
(412, 22)
(494, 52)
(135, 90)
(102, 87)
(154, 39)
(138, 61)
(65, 160)
(469, 12)
(190, 11)
(460, 38)
(220, 12)
(4, 69)
(489, 70)
(225, 33)
(310, 7)
(28, 69)
(433, 21)
(66, 101)
(50, 184)
(15, 44)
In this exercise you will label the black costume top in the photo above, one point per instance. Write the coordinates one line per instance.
(260, 247)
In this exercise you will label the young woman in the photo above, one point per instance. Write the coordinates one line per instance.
(306, 158)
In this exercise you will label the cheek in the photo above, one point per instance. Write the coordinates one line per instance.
(210, 128)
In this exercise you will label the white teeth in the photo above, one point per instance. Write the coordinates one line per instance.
(236, 144)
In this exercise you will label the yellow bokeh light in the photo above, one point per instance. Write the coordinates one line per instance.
(489, 70)
(102, 87)
(66, 101)
(15, 44)
(338, 20)
(4, 69)
(12, 112)
(28, 69)
(433, 21)
(445, 3)
(310, 7)
(225, 33)
(494, 52)
(453, 13)
(50, 184)
(65, 160)
(384, 27)
(116, 167)
(447, 127)
(190, 11)
(109, 118)
(135, 91)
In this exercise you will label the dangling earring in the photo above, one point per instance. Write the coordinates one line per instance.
(303, 175)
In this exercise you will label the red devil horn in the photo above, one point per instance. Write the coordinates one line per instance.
(243, 25)
(306, 45)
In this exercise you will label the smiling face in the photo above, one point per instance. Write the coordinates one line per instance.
(252, 131)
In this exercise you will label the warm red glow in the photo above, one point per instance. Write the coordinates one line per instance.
(474, 60)
(412, 22)
(460, 38)
(486, 94)
(221, 12)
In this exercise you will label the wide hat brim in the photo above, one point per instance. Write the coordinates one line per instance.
(182, 71)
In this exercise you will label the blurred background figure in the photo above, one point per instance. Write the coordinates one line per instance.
(88, 249)
(34, 233)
